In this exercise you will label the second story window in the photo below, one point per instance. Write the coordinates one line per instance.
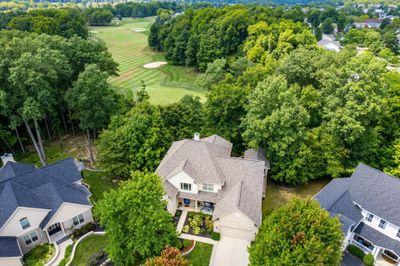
(25, 223)
(208, 187)
(398, 234)
(186, 186)
(369, 217)
(382, 224)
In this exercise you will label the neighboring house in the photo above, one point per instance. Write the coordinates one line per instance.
(39, 205)
(328, 42)
(369, 23)
(368, 206)
(200, 175)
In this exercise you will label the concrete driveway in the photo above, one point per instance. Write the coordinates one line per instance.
(230, 252)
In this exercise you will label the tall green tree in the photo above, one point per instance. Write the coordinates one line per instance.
(137, 140)
(135, 221)
(299, 233)
(92, 102)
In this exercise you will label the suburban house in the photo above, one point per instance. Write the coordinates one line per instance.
(200, 175)
(39, 205)
(369, 23)
(329, 43)
(368, 206)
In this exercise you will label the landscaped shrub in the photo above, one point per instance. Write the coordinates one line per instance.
(215, 236)
(186, 243)
(185, 228)
(209, 223)
(356, 251)
(67, 255)
(39, 255)
(368, 259)
(83, 230)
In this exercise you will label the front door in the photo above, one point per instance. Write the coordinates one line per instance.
(53, 229)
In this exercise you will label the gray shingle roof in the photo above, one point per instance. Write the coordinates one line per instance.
(209, 161)
(11, 169)
(42, 188)
(9, 247)
(378, 238)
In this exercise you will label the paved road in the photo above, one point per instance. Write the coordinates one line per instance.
(230, 252)
(350, 260)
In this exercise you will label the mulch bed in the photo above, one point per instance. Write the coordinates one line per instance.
(205, 234)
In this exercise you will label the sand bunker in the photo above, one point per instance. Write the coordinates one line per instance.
(138, 29)
(155, 64)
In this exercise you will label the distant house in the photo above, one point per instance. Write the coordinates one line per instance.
(200, 175)
(39, 205)
(369, 23)
(329, 43)
(368, 206)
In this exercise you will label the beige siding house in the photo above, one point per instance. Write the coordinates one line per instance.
(201, 175)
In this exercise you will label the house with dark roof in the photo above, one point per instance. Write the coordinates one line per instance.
(368, 207)
(39, 205)
(201, 175)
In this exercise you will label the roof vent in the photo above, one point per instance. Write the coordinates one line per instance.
(196, 136)
(7, 157)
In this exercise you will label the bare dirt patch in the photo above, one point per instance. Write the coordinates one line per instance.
(155, 64)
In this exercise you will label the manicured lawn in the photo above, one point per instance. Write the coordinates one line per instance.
(201, 254)
(99, 183)
(277, 194)
(87, 248)
(40, 255)
(166, 84)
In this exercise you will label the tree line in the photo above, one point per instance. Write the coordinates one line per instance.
(50, 86)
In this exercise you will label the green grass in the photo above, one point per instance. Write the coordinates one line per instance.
(87, 248)
(277, 195)
(201, 254)
(39, 255)
(53, 154)
(99, 183)
(165, 85)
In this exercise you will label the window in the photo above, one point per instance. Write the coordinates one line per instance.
(78, 219)
(369, 217)
(382, 224)
(24, 223)
(208, 187)
(398, 234)
(186, 186)
(30, 238)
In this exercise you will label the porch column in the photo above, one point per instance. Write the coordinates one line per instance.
(47, 234)
(195, 202)
(62, 228)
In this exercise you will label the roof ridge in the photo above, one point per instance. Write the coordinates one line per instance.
(239, 192)
(380, 172)
(337, 199)
(240, 159)
(12, 190)
(216, 166)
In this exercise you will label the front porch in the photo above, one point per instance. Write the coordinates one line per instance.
(186, 204)
(55, 232)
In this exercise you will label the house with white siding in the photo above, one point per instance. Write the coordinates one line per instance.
(39, 205)
(368, 206)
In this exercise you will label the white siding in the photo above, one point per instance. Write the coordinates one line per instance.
(69, 224)
(66, 212)
(42, 238)
(10, 262)
(236, 225)
(182, 177)
(390, 230)
(172, 205)
(13, 226)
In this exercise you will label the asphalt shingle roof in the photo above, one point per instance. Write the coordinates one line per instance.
(208, 160)
(11, 169)
(9, 247)
(378, 238)
(43, 188)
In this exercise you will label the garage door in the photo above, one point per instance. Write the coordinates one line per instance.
(236, 233)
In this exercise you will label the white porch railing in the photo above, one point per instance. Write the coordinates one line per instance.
(363, 248)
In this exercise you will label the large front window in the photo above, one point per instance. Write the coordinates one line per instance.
(78, 219)
(382, 224)
(186, 186)
(30, 238)
(208, 187)
(24, 223)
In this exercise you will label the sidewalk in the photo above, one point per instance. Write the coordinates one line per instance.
(198, 239)
(62, 246)
(181, 221)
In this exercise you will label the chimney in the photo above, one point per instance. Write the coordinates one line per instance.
(7, 157)
(196, 136)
